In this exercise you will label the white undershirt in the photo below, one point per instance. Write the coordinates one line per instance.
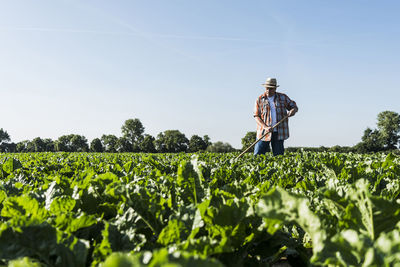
(273, 111)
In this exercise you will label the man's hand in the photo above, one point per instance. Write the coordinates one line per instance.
(267, 129)
(292, 112)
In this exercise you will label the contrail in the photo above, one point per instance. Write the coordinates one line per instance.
(62, 30)
(151, 36)
(136, 33)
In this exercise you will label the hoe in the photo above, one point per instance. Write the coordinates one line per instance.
(247, 149)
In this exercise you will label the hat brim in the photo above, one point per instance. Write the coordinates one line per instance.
(266, 85)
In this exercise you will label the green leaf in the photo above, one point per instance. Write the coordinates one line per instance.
(39, 242)
(159, 258)
(190, 183)
(122, 260)
(24, 262)
(103, 249)
(11, 164)
(14, 207)
(180, 259)
(63, 204)
(374, 214)
(174, 232)
(280, 205)
(128, 167)
(3, 196)
(112, 241)
(389, 245)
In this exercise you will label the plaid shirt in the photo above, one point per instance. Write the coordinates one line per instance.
(282, 104)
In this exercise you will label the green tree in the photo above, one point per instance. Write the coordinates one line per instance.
(24, 146)
(341, 149)
(147, 145)
(110, 143)
(220, 147)
(124, 145)
(8, 147)
(62, 143)
(133, 131)
(96, 145)
(4, 136)
(248, 139)
(49, 145)
(72, 143)
(79, 143)
(30, 147)
(38, 144)
(389, 128)
(4, 141)
(207, 140)
(196, 143)
(172, 141)
(371, 142)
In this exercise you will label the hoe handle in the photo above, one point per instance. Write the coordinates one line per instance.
(255, 142)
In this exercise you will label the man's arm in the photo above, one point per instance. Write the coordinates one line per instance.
(291, 106)
(257, 117)
(262, 124)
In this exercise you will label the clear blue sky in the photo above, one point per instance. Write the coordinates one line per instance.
(85, 67)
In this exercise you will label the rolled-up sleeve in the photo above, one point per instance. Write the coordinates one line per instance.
(257, 110)
(290, 104)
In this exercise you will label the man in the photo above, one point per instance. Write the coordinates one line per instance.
(269, 109)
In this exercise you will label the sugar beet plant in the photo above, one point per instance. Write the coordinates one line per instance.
(322, 209)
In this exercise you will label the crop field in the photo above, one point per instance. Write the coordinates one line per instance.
(301, 209)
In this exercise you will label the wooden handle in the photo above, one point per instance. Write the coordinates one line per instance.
(247, 149)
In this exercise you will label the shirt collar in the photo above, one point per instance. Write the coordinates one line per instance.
(266, 97)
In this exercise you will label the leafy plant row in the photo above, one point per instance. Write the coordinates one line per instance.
(88, 209)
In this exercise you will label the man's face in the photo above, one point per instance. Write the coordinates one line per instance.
(270, 90)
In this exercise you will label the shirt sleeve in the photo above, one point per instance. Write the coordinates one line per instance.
(290, 104)
(257, 110)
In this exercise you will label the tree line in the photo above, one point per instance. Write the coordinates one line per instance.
(132, 139)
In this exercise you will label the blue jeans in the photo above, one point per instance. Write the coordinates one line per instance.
(263, 146)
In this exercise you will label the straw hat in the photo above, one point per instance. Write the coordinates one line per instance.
(271, 82)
